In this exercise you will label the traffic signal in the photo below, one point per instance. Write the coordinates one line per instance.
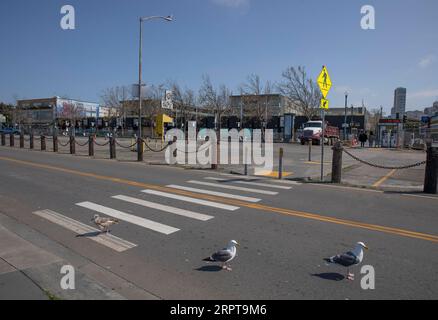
(405, 118)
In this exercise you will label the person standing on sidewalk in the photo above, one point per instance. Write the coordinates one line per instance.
(363, 139)
(371, 140)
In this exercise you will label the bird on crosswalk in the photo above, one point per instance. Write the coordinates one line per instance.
(349, 259)
(104, 223)
(225, 255)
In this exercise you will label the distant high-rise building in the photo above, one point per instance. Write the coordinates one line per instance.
(399, 108)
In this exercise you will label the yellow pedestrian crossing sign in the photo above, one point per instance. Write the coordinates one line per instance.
(324, 104)
(324, 82)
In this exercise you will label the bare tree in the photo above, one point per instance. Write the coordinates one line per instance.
(301, 91)
(256, 99)
(184, 100)
(216, 101)
(115, 99)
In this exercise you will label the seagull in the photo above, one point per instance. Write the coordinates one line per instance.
(349, 259)
(225, 255)
(104, 223)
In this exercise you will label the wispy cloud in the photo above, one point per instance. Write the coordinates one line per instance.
(427, 61)
(232, 3)
(432, 93)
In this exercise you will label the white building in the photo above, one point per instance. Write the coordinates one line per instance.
(399, 109)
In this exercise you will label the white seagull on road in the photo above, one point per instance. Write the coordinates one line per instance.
(349, 259)
(225, 255)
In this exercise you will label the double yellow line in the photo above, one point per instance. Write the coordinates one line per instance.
(256, 206)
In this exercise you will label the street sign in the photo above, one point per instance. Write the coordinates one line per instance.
(324, 104)
(324, 82)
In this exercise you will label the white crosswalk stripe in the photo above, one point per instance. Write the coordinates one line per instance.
(86, 231)
(192, 200)
(226, 186)
(214, 193)
(169, 209)
(142, 222)
(251, 183)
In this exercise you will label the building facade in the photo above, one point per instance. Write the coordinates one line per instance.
(399, 109)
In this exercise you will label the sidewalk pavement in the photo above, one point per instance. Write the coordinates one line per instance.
(30, 269)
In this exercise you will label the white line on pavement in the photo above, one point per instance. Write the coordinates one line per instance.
(214, 193)
(86, 231)
(250, 183)
(142, 222)
(160, 207)
(192, 200)
(225, 186)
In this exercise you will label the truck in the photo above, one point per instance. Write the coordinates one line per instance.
(312, 132)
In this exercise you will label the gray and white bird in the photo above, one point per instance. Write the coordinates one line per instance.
(225, 255)
(349, 259)
(104, 223)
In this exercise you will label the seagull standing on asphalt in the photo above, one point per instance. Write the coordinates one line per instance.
(104, 223)
(349, 259)
(225, 255)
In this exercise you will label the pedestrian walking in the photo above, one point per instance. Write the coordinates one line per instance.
(363, 139)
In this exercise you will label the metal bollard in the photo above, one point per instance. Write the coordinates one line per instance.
(338, 150)
(280, 164)
(21, 140)
(55, 143)
(431, 175)
(139, 149)
(310, 150)
(72, 145)
(43, 143)
(3, 139)
(91, 146)
(31, 141)
(112, 146)
(11, 140)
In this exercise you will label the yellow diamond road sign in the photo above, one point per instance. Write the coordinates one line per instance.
(324, 82)
(324, 104)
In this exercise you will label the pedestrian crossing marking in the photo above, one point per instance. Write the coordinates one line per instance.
(142, 222)
(160, 207)
(226, 186)
(214, 193)
(251, 183)
(192, 200)
(83, 230)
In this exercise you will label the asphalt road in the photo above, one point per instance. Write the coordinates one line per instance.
(283, 236)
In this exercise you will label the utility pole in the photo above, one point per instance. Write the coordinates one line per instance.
(345, 119)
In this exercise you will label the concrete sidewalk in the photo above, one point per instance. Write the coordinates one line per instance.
(30, 266)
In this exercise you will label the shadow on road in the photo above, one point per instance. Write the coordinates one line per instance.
(209, 269)
(89, 235)
(329, 276)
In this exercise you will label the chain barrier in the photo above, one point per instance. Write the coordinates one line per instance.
(101, 145)
(125, 147)
(385, 167)
(154, 150)
(63, 145)
(81, 145)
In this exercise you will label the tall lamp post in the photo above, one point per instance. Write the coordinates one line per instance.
(345, 120)
(143, 19)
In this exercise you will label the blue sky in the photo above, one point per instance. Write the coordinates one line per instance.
(227, 39)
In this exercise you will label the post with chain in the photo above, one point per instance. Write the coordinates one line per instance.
(139, 149)
(310, 149)
(112, 146)
(338, 149)
(91, 146)
(11, 140)
(43, 143)
(55, 142)
(431, 176)
(72, 145)
(21, 140)
(3, 139)
(280, 164)
(31, 145)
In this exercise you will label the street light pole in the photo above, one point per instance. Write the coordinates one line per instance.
(345, 120)
(140, 98)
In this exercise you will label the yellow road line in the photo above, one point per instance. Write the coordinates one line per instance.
(288, 212)
(383, 179)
